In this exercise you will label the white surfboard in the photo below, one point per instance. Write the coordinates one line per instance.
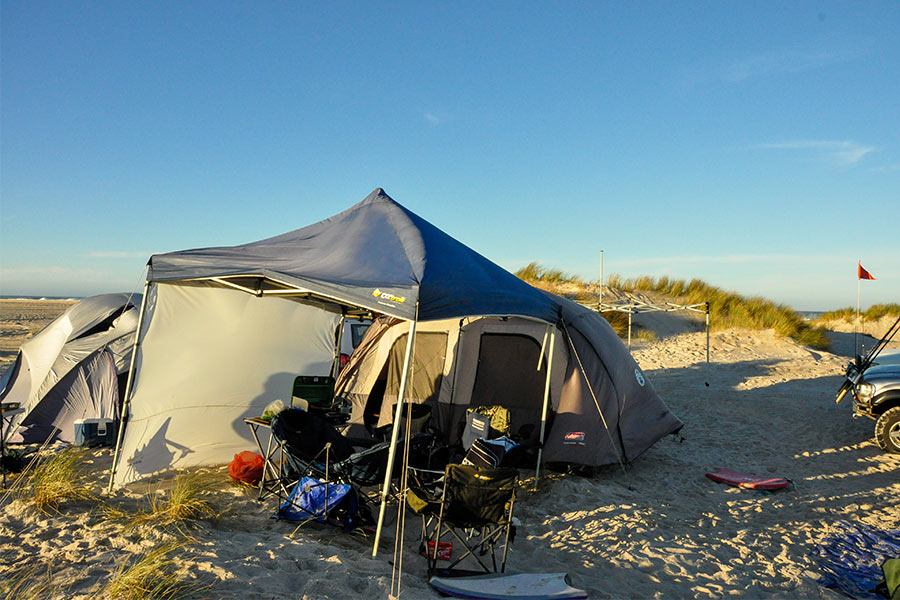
(499, 586)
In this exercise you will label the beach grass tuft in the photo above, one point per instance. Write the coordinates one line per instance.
(873, 313)
(618, 321)
(645, 335)
(35, 582)
(535, 272)
(183, 504)
(152, 574)
(57, 478)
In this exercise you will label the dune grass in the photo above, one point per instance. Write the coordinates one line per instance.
(729, 309)
(645, 335)
(552, 279)
(535, 272)
(152, 574)
(182, 505)
(35, 582)
(57, 478)
(618, 321)
(873, 313)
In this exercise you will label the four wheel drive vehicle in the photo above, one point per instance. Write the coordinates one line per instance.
(876, 393)
(354, 330)
(877, 396)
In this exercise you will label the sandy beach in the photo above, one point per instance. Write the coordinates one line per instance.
(660, 529)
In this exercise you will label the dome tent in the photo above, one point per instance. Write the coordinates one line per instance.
(71, 369)
(484, 361)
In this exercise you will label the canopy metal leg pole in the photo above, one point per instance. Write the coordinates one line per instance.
(395, 432)
(629, 329)
(336, 367)
(128, 383)
(537, 468)
(707, 333)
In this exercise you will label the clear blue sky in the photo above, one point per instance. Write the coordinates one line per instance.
(755, 145)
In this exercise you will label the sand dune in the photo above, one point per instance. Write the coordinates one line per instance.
(660, 529)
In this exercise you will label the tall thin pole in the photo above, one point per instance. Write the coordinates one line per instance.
(126, 401)
(707, 333)
(601, 277)
(537, 468)
(856, 328)
(336, 367)
(395, 432)
(629, 329)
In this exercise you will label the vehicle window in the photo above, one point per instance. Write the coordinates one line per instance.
(357, 331)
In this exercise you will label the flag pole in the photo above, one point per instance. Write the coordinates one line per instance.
(601, 277)
(856, 328)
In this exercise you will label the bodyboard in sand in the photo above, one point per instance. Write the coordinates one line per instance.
(497, 586)
(751, 482)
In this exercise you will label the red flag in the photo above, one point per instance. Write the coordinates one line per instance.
(862, 273)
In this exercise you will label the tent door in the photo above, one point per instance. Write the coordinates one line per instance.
(506, 376)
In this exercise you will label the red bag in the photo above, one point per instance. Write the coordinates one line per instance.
(247, 467)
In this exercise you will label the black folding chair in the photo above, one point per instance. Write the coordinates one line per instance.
(311, 446)
(475, 506)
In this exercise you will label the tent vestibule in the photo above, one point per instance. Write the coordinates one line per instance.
(458, 363)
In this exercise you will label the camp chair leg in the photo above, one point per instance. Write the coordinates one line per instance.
(470, 549)
(509, 520)
(432, 553)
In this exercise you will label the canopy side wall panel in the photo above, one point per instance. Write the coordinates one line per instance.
(209, 358)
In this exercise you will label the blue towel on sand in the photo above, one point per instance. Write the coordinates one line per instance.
(851, 558)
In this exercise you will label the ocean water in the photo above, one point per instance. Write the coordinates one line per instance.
(20, 297)
(810, 315)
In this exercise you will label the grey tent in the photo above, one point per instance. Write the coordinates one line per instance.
(71, 369)
(483, 361)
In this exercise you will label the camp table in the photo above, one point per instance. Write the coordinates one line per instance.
(273, 460)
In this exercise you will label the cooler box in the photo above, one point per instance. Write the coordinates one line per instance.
(317, 390)
(95, 432)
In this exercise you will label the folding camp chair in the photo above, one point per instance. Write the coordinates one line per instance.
(313, 447)
(476, 508)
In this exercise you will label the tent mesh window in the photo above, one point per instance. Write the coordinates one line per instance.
(507, 376)
(427, 369)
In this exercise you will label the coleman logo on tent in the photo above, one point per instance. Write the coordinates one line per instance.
(574, 438)
(639, 376)
(379, 294)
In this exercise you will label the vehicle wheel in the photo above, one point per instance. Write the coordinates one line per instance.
(887, 430)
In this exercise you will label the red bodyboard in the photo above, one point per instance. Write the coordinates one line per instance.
(751, 482)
